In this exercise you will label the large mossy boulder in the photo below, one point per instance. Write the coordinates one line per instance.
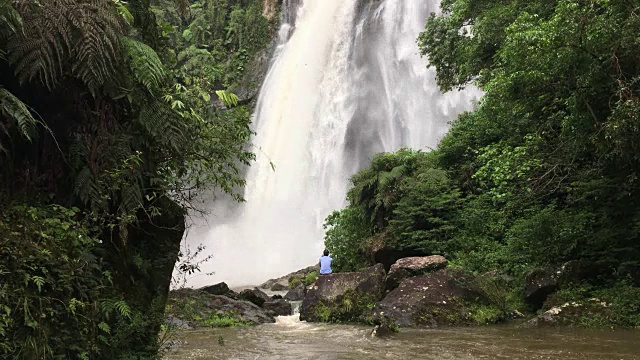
(283, 283)
(200, 308)
(435, 299)
(343, 297)
(574, 313)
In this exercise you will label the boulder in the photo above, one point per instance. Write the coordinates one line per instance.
(195, 307)
(413, 266)
(429, 300)
(176, 323)
(254, 295)
(572, 313)
(343, 297)
(419, 265)
(296, 294)
(384, 326)
(277, 307)
(284, 280)
(217, 289)
(387, 255)
(395, 278)
(539, 284)
(279, 287)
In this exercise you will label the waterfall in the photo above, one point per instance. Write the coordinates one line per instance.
(346, 81)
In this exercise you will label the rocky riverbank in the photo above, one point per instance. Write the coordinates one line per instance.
(419, 292)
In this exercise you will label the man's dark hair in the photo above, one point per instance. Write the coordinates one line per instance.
(326, 253)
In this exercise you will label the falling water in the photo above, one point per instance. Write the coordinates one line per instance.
(346, 82)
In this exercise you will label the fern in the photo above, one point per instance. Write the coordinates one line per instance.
(164, 124)
(145, 64)
(104, 327)
(122, 308)
(79, 36)
(10, 19)
(87, 187)
(124, 11)
(11, 107)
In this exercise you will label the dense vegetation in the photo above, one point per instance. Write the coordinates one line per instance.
(108, 131)
(544, 172)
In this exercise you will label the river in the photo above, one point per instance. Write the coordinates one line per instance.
(290, 338)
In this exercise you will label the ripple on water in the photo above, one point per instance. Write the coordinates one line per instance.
(290, 338)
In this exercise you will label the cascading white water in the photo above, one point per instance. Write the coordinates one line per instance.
(346, 82)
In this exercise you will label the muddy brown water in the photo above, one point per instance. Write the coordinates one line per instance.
(290, 338)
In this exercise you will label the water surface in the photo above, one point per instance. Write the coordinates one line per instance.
(289, 338)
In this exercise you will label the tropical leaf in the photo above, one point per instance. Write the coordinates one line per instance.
(80, 37)
(145, 64)
(228, 98)
(11, 107)
(10, 19)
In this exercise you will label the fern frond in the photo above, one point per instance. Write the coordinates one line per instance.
(123, 10)
(10, 19)
(81, 34)
(163, 124)
(11, 107)
(145, 64)
(86, 186)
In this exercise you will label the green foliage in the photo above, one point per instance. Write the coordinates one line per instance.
(345, 238)
(294, 282)
(12, 108)
(193, 309)
(56, 300)
(218, 320)
(350, 307)
(310, 278)
(615, 305)
(80, 38)
(132, 137)
(543, 172)
(403, 201)
(145, 65)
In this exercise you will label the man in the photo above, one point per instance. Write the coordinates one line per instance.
(325, 263)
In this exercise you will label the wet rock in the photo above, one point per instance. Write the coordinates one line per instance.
(284, 280)
(395, 278)
(279, 287)
(571, 313)
(196, 306)
(254, 295)
(430, 300)
(217, 289)
(539, 284)
(296, 294)
(384, 326)
(343, 296)
(279, 307)
(176, 323)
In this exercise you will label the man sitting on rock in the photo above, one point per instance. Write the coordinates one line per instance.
(325, 263)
